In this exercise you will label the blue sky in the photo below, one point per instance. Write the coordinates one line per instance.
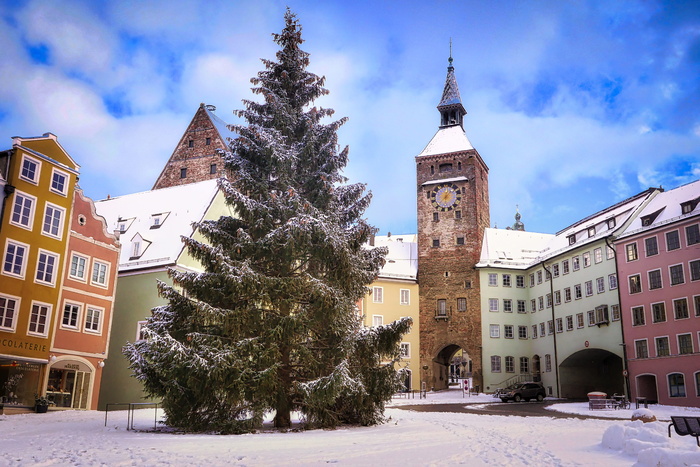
(574, 105)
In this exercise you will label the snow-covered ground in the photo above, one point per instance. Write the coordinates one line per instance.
(408, 438)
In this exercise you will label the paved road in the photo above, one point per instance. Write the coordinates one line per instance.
(519, 409)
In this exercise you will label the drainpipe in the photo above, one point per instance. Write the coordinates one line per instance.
(622, 328)
(554, 334)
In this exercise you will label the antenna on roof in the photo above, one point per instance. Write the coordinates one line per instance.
(211, 108)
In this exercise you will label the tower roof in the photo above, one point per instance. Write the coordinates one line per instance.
(450, 94)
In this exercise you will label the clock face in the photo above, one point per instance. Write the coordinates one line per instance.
(446, 196)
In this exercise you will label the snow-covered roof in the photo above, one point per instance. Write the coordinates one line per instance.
(446, 140)
(220, 125)
(157, 219)
(445, 180)
(665, 208)
(402, 258)
(512, 248)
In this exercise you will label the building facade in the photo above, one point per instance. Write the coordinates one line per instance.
(453, 211)
(659, 267)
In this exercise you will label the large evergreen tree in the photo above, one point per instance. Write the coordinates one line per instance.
(271, 324)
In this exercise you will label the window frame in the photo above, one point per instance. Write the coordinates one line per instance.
(658, 339)
(690, 349)
(638, 315)
(37, 169)
(24, 259)
(673, 279)
(86, 262)
(32, 210)
(494, 331)
(676, 246)
(676, 310)
(76, 316)
(4, 313)
(51, 225)
(97, 283)
(651, 242)
(66, 179)
(655, 279)
(658, 317)
(46, 325)
(638, 347)
(100, 319)
(676, 389)
(631, 252)
(53, 273)
(404, 297)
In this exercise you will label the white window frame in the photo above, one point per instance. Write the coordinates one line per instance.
(86, 262)
(15, 311)
(493, 305)
(47, 319)
(586, 258)
(56, 172)
(139, 330)
(377, 294)
(95, 264)
(600, 285)
(45, 272)
(405, 350)
(612, 281)
(377, 320)
(35, 180)
(61, 220)
(89, 326)
(494, 331)
(493, 279)
(22, 265)
(668, 345)
(670, 274)
(598, 255)
(678, 342)
(78, 315)
(32, 210)
(404, 296)
(636, 348)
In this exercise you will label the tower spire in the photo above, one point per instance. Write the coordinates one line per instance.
(450, 107)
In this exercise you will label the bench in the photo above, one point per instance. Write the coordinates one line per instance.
(602, 404)
(685, 426)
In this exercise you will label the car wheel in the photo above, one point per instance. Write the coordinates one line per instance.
(517, 398)
(540, 397)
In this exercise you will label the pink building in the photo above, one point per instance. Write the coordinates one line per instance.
(658, 258)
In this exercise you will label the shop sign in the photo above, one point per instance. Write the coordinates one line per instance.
(71, 365)
(19, 344)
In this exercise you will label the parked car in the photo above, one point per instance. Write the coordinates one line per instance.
(523, 391)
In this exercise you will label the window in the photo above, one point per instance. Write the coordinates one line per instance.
(377, 294)
(507, 306)
(662, 347)
(539, 277)
(506, 280)
(157, 220)
(377, 320)
(570, 323)
(591, 317)
(99, 273)
(183, 172)
(524, 365)
(547, 363)
(39, 319)
(77, 267)
(46, 268)
(601, 314)
(576, 264)
(611, 223)
(53, 220)
(697, 383)
(23, 210)
(461, 304)
(207, 141)
(550, 327)
(631, 250)
(579, 320)
(8, 311)
(190, 143)
(71, 314)
(436, 217)
(493, 280)
(696, 300)
(638, 316)
(586, 259)
(405, 297)
(567, 294)
(557, 297)
(442, 307)
(460, 240)
(493, 304)
(140, 333)
(532, 280)
(534, 331)
(615, 309)
(635, 284)
(680, 308)
(676, 274)
(560, 324)
(458, 215)
(436, 243)
(609, 252)
(542, 330)
(59, 182)
(540, 302)
(510, 364)
(555, 269)
(549, 300)
(600, 284)
(572, 239)
(405, 350)
(494, 331)
(589, 288)
(676, 385)
(520, 281)
(93, 320)
(651, 246)
(521, 306)
(692, 234)
(565, 266)
(598, 255)
(212, 169)
(654, 279)
(495, 364)
(591, 231)
(522, 332)
(577, 291)
(508, 331)
(658, 312)
(641, 349)
(15, 255)
(694, 267)
(673, 241)
(30, 169)
(135, 249)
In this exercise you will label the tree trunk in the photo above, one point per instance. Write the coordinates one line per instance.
(283, 418)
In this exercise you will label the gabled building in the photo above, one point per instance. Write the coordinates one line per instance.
(197, 156)
(84, 317)
(394, 295)
(150, 225)
(659, 266)
(40, 179)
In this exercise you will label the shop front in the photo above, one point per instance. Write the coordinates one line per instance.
(69, 384)
(20, 380)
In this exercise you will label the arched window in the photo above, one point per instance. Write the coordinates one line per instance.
(676, 385)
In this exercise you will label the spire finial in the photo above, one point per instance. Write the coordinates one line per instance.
(450, 59)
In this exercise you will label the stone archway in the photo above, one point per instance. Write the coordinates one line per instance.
(591, 370)
(445, 368)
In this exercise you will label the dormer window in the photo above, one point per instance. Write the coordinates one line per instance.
(591, 231)
(689, 206)
(136, 249)
(124, 224)
(650, 218)
(572, 239)
(158, 219)
(611, 223)
(138, 246)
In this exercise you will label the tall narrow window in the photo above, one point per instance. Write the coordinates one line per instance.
(654, 279)
(15, 255)
(673, 241)
(23, 210)
(676, 385)
(39, 319)
(676, 272)
(99, 273)
(8, 312)
(71, 313)
(46, 268)
(631, 250)
(641, 349)
(53, 220)
(652, 248)
(378, 294)
(405, 296)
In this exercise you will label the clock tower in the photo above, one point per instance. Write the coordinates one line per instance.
(453, 211)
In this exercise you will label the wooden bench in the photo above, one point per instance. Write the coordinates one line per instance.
(685, 426)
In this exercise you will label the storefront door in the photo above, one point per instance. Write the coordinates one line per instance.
(69, 385)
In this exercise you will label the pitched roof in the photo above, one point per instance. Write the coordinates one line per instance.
(402, 258)
(175, 208)
(516, 249)
(450, 94)
(447, 140)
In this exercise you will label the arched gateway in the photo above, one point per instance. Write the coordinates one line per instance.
(591, 370)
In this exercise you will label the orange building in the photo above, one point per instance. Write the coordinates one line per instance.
(84, 317)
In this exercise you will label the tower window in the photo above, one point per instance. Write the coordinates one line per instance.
(190, 143)
(458, 214)
(208, 141)
(432, 169)
(445, 168)
(460, 240)
(183, 172)
(212, 169)
(436, 243)
(436, 217)
(459, 166)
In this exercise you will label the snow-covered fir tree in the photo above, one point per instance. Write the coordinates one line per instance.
(272, 325)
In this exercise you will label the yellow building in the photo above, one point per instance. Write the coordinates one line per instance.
(39, 180)
(394, 295)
